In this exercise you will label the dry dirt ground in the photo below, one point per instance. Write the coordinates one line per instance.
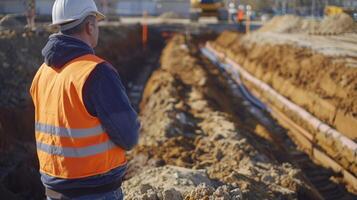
(317, 72)
(188, 121)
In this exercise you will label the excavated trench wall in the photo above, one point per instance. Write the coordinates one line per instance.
(323, 85)
(20, 57)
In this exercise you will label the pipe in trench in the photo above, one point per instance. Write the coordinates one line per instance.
(235, 70)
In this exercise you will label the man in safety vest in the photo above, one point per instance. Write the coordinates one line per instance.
(84, 122)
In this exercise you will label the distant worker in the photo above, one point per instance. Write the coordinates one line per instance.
(240, 16)
(84, 122)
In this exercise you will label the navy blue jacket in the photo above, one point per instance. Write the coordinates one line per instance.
(104, 97)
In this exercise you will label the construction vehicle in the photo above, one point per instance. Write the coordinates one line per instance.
(334, 10)
(214, 8)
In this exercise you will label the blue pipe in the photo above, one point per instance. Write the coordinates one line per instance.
(236, 77)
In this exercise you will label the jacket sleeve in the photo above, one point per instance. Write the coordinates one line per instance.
(104, 97)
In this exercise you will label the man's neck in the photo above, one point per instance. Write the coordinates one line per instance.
(81, 38)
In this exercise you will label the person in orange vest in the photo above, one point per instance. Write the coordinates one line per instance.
(240, 14)
(84, 121)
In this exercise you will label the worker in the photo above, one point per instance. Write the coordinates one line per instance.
(240, 16)
(84, 121)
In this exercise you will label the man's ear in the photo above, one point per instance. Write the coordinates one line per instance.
(88, 28)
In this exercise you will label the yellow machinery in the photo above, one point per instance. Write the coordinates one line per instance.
(208, 8)
(334, 10)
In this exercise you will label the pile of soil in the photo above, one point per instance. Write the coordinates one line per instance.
(183, 124)
(337, 24)
(330, 25)
(325, 86)
(176, 183)
(283, 24)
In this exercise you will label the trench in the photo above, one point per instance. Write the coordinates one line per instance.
(137, 65)
(275, 137)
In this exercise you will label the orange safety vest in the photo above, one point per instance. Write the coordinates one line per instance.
(240, 15)
(71, 143)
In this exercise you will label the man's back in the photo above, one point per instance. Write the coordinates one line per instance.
(84, 121)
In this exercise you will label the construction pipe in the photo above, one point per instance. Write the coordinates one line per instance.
(307, 138)
(302, 113)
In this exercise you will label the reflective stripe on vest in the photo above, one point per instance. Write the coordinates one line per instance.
(71, 143)
(69, 132)
(75, 152)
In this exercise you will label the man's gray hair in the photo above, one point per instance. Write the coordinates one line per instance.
(76, 26)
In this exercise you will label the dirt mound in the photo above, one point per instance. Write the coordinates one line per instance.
(224, 192)
(330, 25)
(337, 24)
(176, 183)
(283, 24)
(183, 125)
(170, 182)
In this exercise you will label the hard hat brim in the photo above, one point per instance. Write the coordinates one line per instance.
(99, 16)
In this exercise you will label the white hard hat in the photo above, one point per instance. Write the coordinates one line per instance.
(72, 12)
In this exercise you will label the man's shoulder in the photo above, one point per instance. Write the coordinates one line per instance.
(105, 67)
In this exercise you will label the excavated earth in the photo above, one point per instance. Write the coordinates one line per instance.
(194, 131)
(323, 84)
(317, 72)
(198, 140)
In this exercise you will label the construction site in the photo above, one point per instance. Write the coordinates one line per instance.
(229, 111)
